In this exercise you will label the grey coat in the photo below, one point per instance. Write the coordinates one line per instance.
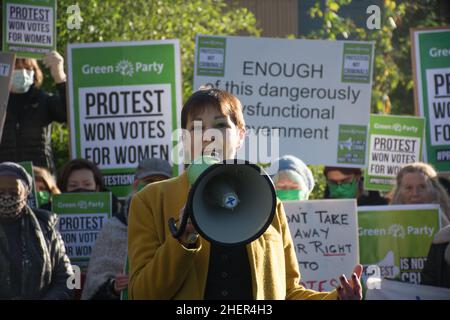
(107, 259)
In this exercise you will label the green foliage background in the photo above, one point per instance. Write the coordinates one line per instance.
(392, 90)
(393, 83)
(133, 20)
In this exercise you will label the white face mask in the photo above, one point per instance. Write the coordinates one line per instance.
(21, 80)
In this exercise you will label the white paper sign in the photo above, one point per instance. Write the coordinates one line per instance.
(312, 94)
(325, 237)
(438, 100)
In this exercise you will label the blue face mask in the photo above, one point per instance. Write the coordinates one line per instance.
(22, 80)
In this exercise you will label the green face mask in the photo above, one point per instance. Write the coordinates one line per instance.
(140, 186)
(344, 190)
(43, 197)
(284, 195)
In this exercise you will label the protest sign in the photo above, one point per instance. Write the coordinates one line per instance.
(124, 102)
(397, 239)
(311, 92)
(397, 290)
(393, 142)
(7, 61)
(324, 233)
(81, 218)
(32, 197)
(431, 68)
(29, 27)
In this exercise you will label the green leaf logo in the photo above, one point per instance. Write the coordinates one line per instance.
(125, 68)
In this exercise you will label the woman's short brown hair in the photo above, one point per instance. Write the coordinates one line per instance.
(225, 102)
(31, 64)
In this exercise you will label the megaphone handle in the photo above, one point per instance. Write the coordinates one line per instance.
(177, 232)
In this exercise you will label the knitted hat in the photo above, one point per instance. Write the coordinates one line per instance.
(15, 170)
(295, 165)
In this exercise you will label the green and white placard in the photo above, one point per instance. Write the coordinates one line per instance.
(81, 218)
(125, 99)
(393, 142)
(397, 239)
(431, 67)
(312, 94)
(29, 27)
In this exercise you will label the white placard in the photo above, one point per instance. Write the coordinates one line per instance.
(314, 94)
(325, 237)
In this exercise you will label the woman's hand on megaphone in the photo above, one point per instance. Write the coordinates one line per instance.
(190, 236)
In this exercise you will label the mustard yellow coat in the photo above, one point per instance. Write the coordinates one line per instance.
(162, 268)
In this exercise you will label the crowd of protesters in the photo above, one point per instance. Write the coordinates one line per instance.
(33, 261)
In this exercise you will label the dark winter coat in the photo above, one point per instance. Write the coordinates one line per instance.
(27, 130)
(33, 261)
(436, 271)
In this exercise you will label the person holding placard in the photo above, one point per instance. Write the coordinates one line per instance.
(30, 112)
(163, 267)
(81, 175)
(418, 183)
(347, 183)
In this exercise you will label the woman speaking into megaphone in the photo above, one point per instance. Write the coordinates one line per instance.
(176, 261)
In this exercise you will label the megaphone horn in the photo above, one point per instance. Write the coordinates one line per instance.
(229, 203)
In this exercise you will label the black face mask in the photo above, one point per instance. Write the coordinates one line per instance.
(80, 190)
